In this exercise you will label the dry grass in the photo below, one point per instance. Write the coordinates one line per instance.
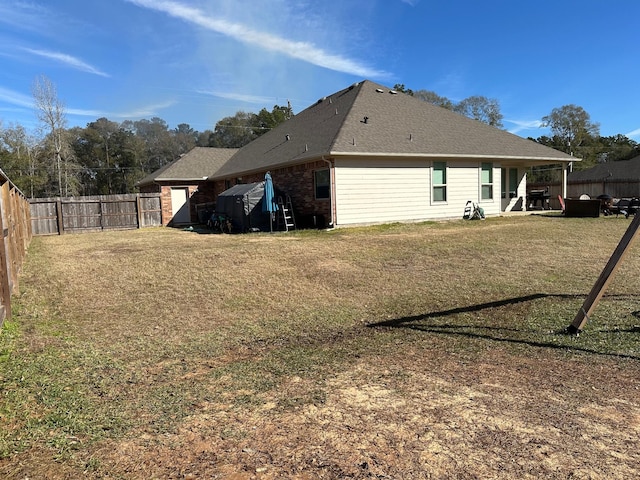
(399, 351)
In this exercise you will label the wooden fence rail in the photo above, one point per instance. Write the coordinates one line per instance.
(56, 216)
(15, 225)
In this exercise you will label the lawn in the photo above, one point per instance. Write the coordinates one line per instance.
(432, 350)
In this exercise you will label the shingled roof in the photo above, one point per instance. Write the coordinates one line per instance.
(368, 119)
(620, 170)
(194, 166)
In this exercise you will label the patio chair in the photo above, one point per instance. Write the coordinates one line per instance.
(623, 207)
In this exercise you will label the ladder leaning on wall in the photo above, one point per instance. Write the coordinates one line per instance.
(286, 219)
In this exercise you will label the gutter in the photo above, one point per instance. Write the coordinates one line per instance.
(454, 156)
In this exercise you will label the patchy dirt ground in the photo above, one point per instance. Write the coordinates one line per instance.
(410, 416)
(472, 387)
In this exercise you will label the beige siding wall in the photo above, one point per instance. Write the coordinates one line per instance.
(381, 191)
(400, 190)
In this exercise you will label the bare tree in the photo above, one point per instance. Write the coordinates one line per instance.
(51, 114)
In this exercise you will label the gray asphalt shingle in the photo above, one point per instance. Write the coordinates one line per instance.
(396, 125)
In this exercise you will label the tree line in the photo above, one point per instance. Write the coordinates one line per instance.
(108, 157)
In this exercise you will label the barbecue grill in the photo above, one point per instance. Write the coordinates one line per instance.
(541, 196)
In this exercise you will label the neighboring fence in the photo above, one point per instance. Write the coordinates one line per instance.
(56, 216)
(615, 188)
(15, 226)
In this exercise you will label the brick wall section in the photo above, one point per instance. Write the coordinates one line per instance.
(297, 182)
(198, 194)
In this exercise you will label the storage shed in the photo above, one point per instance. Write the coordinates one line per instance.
(242, 204)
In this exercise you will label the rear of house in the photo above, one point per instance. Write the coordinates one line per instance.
(367, 154)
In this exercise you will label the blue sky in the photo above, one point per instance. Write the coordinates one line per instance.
(197, 61)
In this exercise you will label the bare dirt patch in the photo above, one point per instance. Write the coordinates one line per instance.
(407, 351)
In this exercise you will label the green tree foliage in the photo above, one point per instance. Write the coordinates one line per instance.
(21, 159)
(109, 157)
(243, 127)
(235, 131)
(483, 109)
(434, 99)
(617, 147)
(399, 87)
(572, 126)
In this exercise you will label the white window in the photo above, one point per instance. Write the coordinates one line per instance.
(486, 180)
(439, 181)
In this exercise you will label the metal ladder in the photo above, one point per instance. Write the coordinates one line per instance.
(286, 219)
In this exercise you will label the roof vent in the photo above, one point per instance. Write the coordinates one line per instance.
(393, 92)
(287, 137)
(365, 120)
(379, 90)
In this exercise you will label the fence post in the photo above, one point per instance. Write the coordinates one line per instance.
(139, 210)
(59, 217)
(5, 287)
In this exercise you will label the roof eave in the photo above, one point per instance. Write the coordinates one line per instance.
(189, 180)
(454, 156)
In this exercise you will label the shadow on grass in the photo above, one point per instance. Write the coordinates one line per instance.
(420, 323)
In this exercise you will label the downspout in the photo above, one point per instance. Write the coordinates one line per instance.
(332, 191)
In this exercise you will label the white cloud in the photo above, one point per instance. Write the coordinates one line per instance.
(145, 111)
(14, 98)
(413, 3)
(521, 125)
(18, 99)
(67, 60)
(633, 133)
(304, 51)
(239, 97)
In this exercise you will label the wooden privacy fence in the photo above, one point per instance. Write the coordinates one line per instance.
(56, 216)
(15, 225)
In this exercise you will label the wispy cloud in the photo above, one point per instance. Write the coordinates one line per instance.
(413, 3)
(299, 50)
(144, 111)
(24, 15)
(633, 133)
(256, 99)
(14, 98)
(67, 60)
(521, 125)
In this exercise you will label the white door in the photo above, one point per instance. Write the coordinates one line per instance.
(180, 205)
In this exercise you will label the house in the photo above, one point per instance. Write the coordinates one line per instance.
(368, 154)
(619, 179)
(183, 184)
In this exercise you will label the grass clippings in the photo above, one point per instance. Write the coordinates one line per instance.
(431, 350)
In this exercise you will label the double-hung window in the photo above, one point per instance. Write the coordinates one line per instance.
(321, 180)
(486, 181)
(439, 181)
